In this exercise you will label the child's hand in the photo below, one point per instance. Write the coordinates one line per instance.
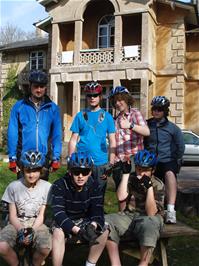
(145, 182)
(126, 167)
(142, 183)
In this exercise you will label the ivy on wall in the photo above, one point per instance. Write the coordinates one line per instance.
(11, 95)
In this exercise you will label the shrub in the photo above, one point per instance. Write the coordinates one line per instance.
(11, 95)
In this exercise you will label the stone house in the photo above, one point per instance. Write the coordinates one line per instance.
(151, 47)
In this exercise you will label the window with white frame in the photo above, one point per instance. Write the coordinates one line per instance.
(106, 31)
(37, 60)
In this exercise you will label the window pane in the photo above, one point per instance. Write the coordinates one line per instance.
(188, 138)
(103, 42)
(33, 54)
(40, 54)
(103, 31)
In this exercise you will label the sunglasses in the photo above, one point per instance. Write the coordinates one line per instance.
(158, 109)
(83, 171)
(93, 95)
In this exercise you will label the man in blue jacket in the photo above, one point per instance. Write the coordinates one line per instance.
(35, 124)
(166, 140)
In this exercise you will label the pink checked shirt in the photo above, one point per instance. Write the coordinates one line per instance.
(128, 142)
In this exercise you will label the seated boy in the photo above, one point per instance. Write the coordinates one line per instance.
(27, 199)
(143, 215)
(77, 204)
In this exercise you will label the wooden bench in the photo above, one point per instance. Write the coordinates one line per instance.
(169, 231)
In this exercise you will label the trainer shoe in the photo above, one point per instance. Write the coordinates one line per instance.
(170, 217)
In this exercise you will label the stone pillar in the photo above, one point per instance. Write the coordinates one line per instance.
(78, 41)
(116, 82)
(145, 38)
(55, 44)
(118, 39)
(144, 86)
(76, 97)
(53, 89)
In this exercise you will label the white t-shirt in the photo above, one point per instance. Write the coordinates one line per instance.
(28, 201)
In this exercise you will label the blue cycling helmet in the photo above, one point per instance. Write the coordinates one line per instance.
(160, 101)
(118, 90)
(38, 76)
(32, 159)
(80, 160)
(145, 158)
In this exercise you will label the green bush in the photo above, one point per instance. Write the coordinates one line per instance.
(11, 95)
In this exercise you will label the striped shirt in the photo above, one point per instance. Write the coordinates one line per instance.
(69, 205)
(128, 142)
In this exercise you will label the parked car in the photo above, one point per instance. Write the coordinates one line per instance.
(191, 140)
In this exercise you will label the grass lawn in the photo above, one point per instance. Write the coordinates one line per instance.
(181, 251)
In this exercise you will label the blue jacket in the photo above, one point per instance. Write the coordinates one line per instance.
(30, 128)
(165, 139)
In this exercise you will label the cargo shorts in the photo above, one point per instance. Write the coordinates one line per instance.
(128, 226)
(42, 237)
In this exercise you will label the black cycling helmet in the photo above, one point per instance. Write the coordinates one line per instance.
(118, 90)
(38, 76)
(32, 159)
(145, 158)
(160, 101)
(80, 160)
(93, 88)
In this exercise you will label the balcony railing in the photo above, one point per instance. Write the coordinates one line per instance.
(101, 56)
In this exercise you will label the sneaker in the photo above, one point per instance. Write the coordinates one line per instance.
(170, 217)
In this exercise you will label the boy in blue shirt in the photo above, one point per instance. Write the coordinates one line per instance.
(90, 129)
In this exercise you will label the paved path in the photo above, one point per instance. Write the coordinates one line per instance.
(188, 177)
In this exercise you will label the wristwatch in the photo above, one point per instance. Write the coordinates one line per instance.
(132, 125)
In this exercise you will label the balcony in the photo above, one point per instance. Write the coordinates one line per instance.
(101, 56)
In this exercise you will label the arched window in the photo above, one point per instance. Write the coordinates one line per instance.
(106, 31)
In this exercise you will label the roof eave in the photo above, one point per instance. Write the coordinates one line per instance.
(47, 2)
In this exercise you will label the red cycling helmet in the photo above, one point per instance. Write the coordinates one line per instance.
(93, 88)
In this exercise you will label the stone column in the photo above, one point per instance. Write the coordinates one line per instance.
(53, 89)
(55, 44)
(118, 39)
(76, 97)
(78, 41)
(144, 86)
(145, 38)
(116, 82)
